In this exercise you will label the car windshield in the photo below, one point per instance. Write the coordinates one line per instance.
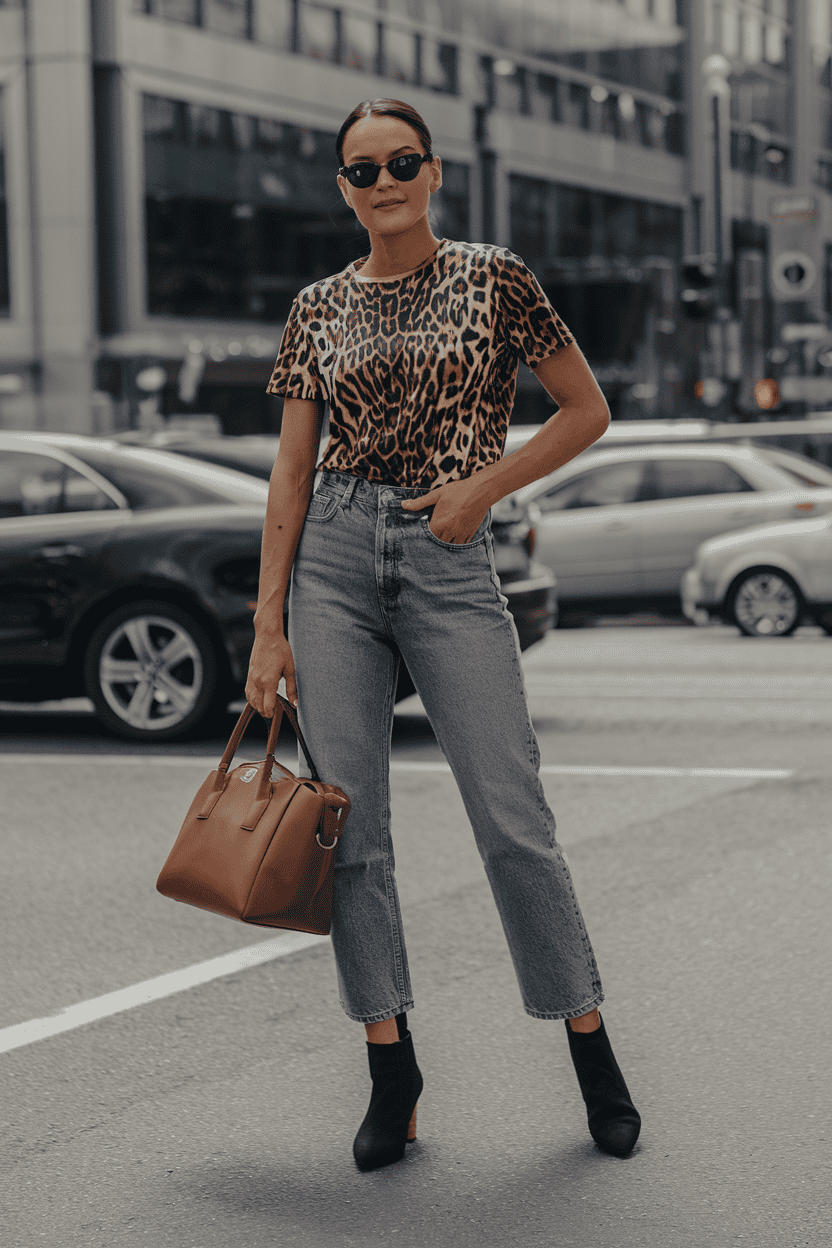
(150, 486)
(803, 469)
(259, 465)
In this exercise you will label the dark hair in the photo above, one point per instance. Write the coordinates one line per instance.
(383, 108)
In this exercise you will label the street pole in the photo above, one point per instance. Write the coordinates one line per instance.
(716, 69)
(719, 249)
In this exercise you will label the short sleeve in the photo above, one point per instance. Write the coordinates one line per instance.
(296, 374)
(530, 323)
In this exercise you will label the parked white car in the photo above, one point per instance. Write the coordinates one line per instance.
(765, 580)
(624, 523)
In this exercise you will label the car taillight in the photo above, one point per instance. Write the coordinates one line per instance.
(529, 541)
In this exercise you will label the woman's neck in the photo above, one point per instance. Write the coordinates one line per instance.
(398, 253)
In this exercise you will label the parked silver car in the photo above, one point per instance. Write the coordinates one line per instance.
(623, 523)
(766, 580)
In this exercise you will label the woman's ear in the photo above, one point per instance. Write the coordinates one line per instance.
(342, 186)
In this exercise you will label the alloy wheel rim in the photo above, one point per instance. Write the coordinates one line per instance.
(151, 672)
(766, 605)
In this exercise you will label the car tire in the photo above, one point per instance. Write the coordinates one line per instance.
(140, 695)
(765, 602)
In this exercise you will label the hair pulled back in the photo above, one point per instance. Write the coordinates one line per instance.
(384, 108)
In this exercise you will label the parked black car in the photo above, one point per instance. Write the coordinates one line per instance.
(528, 584)
(130, 575)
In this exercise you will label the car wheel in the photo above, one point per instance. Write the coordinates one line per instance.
(151, 671)
(765, 603)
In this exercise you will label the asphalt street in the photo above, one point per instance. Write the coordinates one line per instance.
(689, 770)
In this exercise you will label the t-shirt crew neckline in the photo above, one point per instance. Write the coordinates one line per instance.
(395, 277)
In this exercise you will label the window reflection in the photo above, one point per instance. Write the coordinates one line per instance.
(273, 23)
(37, 485)
(226, 17)
(237, 235)
(4, 252)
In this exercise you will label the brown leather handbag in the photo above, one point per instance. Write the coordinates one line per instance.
(257, 848)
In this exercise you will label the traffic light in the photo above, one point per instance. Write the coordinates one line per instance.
(767, 394)
(700, 296)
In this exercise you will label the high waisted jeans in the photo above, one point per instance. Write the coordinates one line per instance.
(371, 582)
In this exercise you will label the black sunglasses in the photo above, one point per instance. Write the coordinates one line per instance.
(402, 168)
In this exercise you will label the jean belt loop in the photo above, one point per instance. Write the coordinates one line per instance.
(349, 491)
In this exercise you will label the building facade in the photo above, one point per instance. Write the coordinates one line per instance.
(167, 183)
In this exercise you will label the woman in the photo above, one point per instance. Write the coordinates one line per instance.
(416, 349)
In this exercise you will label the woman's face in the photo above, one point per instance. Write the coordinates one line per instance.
(380, 139)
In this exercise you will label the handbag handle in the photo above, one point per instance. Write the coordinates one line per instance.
(282, 708)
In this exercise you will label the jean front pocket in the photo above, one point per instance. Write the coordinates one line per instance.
(476, 540)
(322, 505)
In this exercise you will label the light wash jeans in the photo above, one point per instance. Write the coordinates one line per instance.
(370, 582)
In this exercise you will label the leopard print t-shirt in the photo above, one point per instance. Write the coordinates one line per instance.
(420, 368)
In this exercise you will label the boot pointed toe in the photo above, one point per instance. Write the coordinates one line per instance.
(617, 1137)
(613, 1120)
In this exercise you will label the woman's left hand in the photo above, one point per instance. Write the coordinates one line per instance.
(459, 510)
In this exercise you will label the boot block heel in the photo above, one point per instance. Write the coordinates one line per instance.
(613, 1120)
(390, 1122)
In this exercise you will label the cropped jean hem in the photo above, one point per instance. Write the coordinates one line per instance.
(583, 1009)
(381, 1017)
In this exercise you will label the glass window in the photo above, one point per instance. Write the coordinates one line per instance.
(730, 34)
(776, 45)
(439, 66)
(226, 17)
(239, 234)
(549, 89)
(273, 23)
(576, 112)
(164, 119)
(37, 485)
(752, 39)
(797, 466)
(690, 478)
(399, 55)
(359, 43)
(174, 10)
(270, 134)
(611, 486)
(4, 238)
(318, 32)
(204, 125)
(242, 131)
(149, 489)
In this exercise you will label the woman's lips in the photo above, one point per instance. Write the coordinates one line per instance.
(395, 204)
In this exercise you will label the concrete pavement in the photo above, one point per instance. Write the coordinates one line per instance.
(225, 1114)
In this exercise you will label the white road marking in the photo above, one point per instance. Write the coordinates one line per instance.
(550, 769)
(84, 1012)
(290, 761)
(79, 1015)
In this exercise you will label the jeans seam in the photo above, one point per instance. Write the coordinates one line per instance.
(544, 807)
(397, 936)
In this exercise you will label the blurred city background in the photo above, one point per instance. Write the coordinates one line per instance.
(167, 185)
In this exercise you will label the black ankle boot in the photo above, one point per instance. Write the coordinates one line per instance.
(397, 1086)
(614, 1121)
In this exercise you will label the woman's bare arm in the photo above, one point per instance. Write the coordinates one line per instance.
(290, 487)
(583, 416)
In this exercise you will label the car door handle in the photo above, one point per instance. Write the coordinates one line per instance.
(613, 526)
(61, 550)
